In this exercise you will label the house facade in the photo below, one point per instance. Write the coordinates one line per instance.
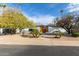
(50, 28)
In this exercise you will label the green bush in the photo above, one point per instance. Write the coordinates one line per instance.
(62, 34)
(35, 33)
(75, 34)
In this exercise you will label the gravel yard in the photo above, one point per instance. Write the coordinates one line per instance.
(49, 40)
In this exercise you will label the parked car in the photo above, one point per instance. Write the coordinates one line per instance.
(9, 31)
(4, 31)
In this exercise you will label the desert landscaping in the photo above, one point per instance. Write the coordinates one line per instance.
(38, 29)
(48, 40)
(14, 26)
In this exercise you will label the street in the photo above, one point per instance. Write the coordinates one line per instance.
(16, 45)
(35, 50)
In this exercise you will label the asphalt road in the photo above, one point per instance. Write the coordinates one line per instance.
(32, 50)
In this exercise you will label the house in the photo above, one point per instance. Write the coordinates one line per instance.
(50, 28)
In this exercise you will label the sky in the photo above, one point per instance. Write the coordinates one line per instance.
(44, 13)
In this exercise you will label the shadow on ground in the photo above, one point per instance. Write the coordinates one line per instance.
(29, 36)
(35, 50)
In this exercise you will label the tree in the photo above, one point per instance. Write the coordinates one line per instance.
(77, 22)
(14, 19)
(66, 23)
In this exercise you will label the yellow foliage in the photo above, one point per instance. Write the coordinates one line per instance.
(15, 20)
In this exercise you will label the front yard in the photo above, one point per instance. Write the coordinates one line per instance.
(49, 40)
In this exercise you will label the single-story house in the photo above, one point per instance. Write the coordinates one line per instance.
(50, 28)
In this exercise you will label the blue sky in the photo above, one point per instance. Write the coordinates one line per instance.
(44, 13)
(33, 9)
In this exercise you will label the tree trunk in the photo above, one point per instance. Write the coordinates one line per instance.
(69, 31)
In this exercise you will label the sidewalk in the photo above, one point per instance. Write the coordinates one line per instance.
(19, 40)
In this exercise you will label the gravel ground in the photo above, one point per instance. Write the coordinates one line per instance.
(45, 45)
(47, 40)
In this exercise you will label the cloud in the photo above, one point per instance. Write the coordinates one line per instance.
(73, 7)
(51, 5)
(41, 19)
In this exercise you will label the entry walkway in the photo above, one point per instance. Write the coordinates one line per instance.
(43, 40)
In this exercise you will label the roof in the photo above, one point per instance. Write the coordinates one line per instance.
(49, 25)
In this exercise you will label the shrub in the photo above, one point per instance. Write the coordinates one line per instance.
(62, 34)
(35, 33)
(75, 34)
